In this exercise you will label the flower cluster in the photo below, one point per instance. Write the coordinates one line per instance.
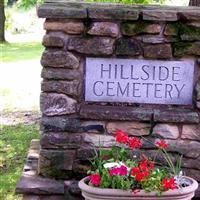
(169, 184)
(143, 170)
(123, 138)
(133, 173)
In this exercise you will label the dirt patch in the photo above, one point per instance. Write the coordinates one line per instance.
(20, 117)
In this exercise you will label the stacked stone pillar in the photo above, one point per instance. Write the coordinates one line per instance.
(71, 127)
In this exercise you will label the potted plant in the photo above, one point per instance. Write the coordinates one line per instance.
(120, 176)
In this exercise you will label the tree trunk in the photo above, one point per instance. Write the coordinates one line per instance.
(194, 2)
(2, 21)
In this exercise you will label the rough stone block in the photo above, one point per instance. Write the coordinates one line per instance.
(98, 140)
(33, 153)
(190, 149)
(194, 24)
(56, 163)
(131, 29)
(198, 104)
(72, 187)
(59, 11)
(61, 123)
(59, 58)
(44, 197)
(72, 191)
(171, 30)
(52, 104)
(70, 27)
(66, 87)
(85, 152)
(193, 173)
(189, 33)
(60, 74)
(93, 126)
(128, 47)
(197, 89)
(160, 15)
(191, 163)
(186, 48)
(158, 39)
(169, 131)
(53, 41)
(191, 132)
(80, 168)
(98, 46)
(35, 144)
(176, 116)
(61, 141)
(103, 12)
(115, 113)
(104, 29)
(190, 14)
(132, 128)
(158, 51)
(38, 185)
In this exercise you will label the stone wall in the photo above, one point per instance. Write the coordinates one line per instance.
(72, 127)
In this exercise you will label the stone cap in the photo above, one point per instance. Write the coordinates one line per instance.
(71, 9)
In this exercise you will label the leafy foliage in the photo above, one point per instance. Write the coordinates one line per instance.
(130, 1)
(117, 169)
(28, 3)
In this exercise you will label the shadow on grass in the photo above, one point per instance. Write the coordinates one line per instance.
(12, 52)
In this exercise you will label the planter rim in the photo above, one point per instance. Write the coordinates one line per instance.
(109, 192)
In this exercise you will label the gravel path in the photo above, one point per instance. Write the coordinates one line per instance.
(20, 117)
(20, 92)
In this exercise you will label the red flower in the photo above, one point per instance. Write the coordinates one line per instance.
(95, 179)
(169, 184)
(143, 170)
(134, 143)
(161, 144)
(121, 137)
(135, 171)
(146, 165)
(140, 176)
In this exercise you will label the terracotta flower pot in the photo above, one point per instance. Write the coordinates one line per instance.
(94, 193)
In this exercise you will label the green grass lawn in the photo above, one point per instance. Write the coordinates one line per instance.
(14, 144)
(12, 52)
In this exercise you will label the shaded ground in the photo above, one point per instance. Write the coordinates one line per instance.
(20, 117)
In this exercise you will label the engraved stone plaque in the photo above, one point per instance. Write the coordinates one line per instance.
(139, 81)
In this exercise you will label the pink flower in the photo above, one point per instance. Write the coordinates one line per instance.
(113, 171)
(95, 179)
(122, 171)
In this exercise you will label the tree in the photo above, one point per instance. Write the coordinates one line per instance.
(11, 2)
(194, 2)
(2, 21)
